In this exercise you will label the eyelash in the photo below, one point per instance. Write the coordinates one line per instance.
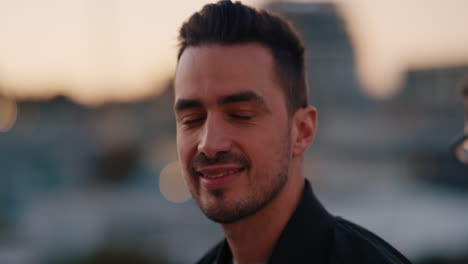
(242, 117)
(235, 116)
(192, 121)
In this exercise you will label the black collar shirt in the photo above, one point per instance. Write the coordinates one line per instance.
(312, 235)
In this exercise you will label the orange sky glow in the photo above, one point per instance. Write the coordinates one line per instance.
(103, 50)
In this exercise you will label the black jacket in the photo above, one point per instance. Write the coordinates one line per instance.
(312, 235)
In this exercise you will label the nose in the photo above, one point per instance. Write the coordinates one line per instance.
(214, 138)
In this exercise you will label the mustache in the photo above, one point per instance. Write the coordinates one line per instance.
(201, 160)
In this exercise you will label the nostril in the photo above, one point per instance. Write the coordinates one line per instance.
(213, 146)
(213, 156)
(214, 138)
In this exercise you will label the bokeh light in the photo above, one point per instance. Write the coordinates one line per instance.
(460, 149)
(172, 184)
(8, 114)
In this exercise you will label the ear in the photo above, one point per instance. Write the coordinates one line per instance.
(304, 129)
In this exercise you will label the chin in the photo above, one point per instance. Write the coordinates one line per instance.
(224, 216)
(221, 211)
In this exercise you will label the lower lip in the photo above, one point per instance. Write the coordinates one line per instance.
(220, 182)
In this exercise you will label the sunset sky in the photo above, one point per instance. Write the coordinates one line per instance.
(101, 50)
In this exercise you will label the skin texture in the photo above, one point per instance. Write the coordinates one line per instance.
(232, 122)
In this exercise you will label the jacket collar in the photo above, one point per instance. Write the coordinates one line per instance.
(307, 235)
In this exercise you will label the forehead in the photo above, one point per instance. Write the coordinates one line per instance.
(216, 70)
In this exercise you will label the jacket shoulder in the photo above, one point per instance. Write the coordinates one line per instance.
(355, 244)
(210, 256)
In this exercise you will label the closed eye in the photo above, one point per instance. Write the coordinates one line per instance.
(242, 117)
(192, 121)
(193, 118)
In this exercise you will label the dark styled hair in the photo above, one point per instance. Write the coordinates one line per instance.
(228, 23)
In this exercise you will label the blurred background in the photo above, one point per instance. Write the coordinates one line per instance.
(88, 170)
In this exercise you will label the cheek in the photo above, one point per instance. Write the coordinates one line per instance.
(280, 142)
(184, 148)
(264, 146)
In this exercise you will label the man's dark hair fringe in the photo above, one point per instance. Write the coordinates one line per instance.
(229, 23)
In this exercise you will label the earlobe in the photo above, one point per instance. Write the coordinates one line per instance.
(305, 122)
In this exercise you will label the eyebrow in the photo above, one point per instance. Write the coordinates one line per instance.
(245, 96)
(183, 104)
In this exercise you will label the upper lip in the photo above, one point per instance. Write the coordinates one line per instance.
(217, 169)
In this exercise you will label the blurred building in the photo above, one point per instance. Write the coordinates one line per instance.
(413, 128)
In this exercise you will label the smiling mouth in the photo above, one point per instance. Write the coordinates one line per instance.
(218, 173)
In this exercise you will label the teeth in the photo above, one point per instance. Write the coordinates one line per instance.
(219, 175)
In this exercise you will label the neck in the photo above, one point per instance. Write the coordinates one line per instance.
(253, 238)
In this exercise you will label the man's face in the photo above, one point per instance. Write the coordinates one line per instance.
(233, 130)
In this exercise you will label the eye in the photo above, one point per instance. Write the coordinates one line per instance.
(242, 116)
(192, 119)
